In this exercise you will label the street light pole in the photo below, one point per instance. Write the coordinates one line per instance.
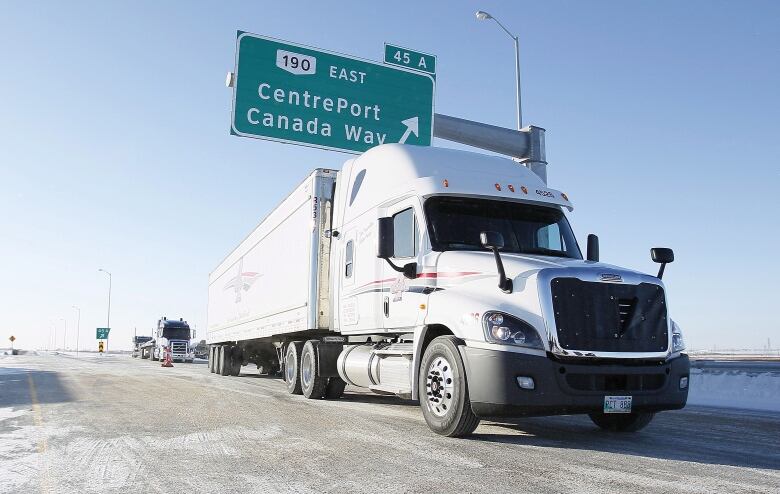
(78, 329)
(482, 16)
(108, 317)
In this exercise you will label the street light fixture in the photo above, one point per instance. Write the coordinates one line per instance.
(108, 317)
(484, 16)
(78, 329)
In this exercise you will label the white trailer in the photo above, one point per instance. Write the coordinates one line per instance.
(448, 277)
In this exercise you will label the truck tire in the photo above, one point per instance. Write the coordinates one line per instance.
(443, 390)
(624, 422)
(236, 359)
(210, 363)
(152, 355)
(312, 383)
(292, 367)
(335, 388)
(224, 360)
(216, 360)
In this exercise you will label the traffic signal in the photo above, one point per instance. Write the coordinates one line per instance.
(100, 346)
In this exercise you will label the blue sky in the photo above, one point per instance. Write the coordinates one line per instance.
(115, 152)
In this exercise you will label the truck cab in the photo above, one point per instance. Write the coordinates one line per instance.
(475, 253)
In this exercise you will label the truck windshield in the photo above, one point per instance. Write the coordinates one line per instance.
(176, 333)
(454, 223)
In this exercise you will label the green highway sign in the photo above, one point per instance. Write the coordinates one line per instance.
(300, 95)
(396, 55)
(102, 333)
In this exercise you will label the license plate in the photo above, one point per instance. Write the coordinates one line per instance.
(617, 404)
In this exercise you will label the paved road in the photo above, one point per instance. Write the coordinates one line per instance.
(122, 425)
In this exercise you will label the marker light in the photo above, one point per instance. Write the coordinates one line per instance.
(511, 187)
(446, 183)
(525, 191)
(565, 197)
(498, 187)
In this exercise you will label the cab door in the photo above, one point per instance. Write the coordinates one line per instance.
(360, 271)
(402, 296)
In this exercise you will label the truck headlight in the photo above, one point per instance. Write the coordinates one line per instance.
(678, 344)
(508, 330)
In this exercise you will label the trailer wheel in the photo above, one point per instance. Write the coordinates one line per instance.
(443, 390)
(224, 360)
(627, 422)
(312, 383)
(292, 367)
(152, 355)
(335, 388)
(211, 359)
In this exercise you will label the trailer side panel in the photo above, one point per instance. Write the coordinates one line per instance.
(269, 285)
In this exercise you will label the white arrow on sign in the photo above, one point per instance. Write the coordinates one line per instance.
(411, 126)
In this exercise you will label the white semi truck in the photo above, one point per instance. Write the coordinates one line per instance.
(452, 278)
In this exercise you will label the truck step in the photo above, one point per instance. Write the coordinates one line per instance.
(399, 349)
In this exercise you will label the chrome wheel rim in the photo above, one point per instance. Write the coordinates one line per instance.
(439, 386)
(306, 369)
(289, 367)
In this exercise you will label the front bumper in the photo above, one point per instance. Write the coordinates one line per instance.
(565, 387)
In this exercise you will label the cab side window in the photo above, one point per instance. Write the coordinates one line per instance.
(406, 234)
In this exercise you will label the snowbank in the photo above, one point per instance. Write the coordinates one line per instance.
(735, 388)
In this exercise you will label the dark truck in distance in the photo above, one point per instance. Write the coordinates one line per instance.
(174, 333)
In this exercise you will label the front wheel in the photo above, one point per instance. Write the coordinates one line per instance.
(443, 391)
(628, 422)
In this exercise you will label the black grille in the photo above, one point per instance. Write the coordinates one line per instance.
(609, 317)
(616, 382)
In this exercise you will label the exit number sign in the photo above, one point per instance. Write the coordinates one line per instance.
(411, 59)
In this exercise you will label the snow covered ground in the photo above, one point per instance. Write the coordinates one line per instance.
(732, 385)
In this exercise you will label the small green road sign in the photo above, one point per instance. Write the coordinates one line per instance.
(404, 57)
(300, 95)
(102, 333)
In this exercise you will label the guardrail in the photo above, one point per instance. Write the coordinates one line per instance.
(749, 366)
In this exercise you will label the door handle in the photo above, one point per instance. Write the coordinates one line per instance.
(387, 306)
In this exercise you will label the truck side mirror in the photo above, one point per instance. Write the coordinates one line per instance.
(494, 241)
(593, 248)
(663, 256)
(386, 248)
(385, 238)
